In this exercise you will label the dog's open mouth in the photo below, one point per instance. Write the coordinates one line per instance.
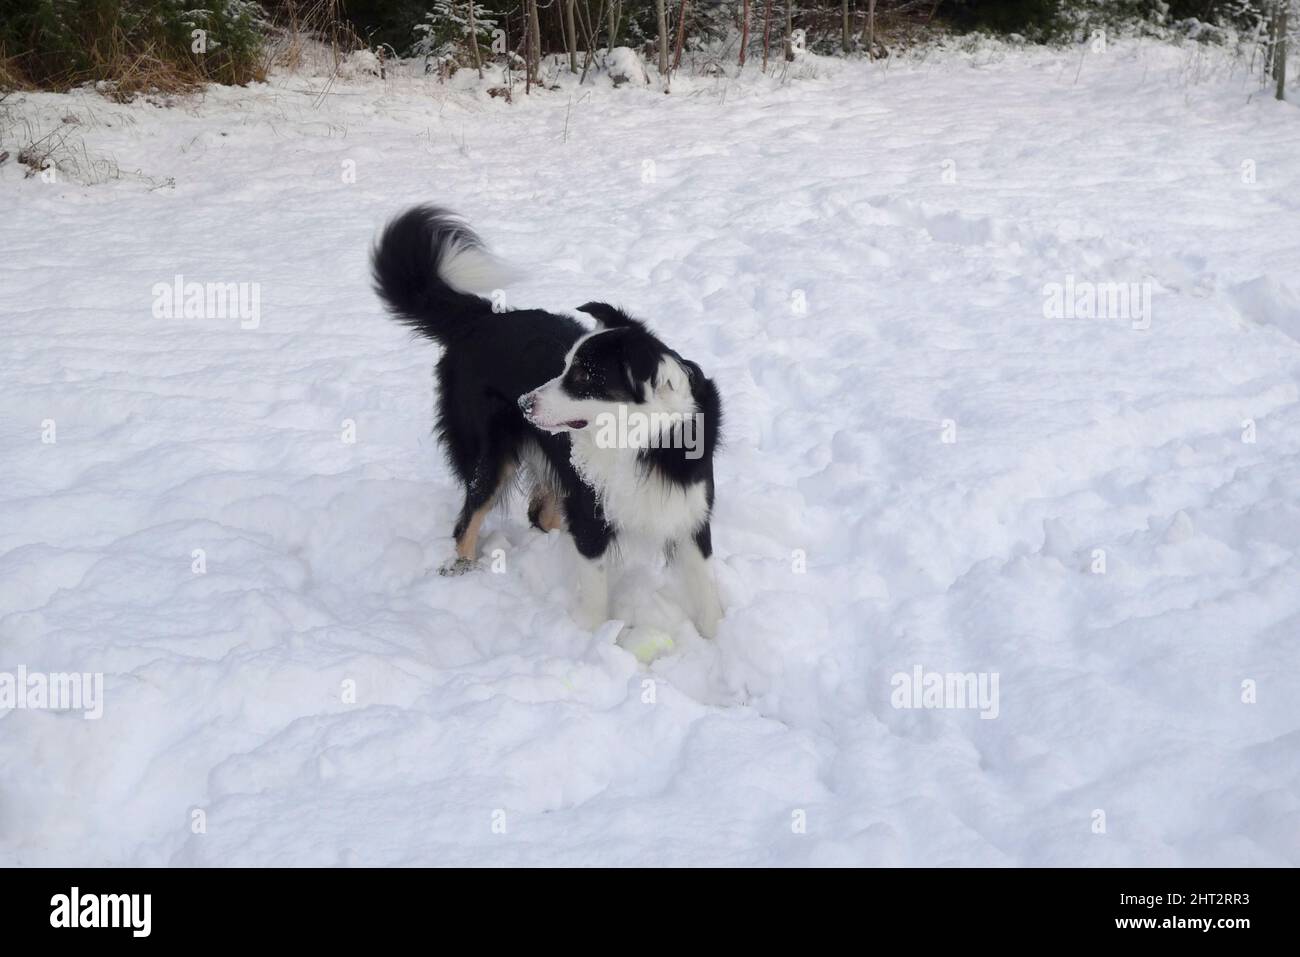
(572, 424)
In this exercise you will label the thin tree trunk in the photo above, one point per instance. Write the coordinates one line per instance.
(767, 33)
(869, 29)
(1279, 58)
(681, 35)
(559, 18)
(473, 41)
(510, 75)
(536, 26)
(615, 10)
(744, 33)
(572, 31)
(589, 33)
(1270, 45)
(534, 43)
(789, 29)
(662, 14)
(846, 41)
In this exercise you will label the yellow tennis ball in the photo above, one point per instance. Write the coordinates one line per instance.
(646, 643)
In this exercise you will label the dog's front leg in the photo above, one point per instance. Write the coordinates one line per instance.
(592, 538)
(593, 593)
(696, 569)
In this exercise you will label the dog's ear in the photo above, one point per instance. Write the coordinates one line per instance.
(610, 317)
(640, 364)
(671, 376)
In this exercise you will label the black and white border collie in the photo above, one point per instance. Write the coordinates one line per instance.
(615, 432)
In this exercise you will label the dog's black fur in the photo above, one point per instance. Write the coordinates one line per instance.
(492, 359)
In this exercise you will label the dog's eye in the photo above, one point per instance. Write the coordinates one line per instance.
(580, 376)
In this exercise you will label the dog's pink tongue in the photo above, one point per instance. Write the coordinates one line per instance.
(577, 424)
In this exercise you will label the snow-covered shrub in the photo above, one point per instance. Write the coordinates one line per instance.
(798, 44)
(360, 63)
(624, 66)
(445, 30)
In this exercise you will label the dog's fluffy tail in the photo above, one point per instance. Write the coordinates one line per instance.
(427, 266)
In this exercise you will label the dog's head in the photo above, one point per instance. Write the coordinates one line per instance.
(620, 364)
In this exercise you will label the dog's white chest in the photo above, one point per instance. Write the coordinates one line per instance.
(638, 501)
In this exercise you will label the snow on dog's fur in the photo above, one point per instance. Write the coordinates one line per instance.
(533, 387)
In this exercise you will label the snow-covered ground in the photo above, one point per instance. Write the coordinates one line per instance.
(922, 470)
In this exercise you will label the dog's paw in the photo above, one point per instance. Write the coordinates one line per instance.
(457, 566)
(706, 623)
(590, 617)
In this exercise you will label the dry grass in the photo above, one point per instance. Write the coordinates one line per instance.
(10, 77)
(304, 31)
(60, 152)
(143, 71)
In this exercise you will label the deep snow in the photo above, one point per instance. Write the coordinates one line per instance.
(718, 213)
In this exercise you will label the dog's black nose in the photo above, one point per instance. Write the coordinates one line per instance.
(526, 403)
